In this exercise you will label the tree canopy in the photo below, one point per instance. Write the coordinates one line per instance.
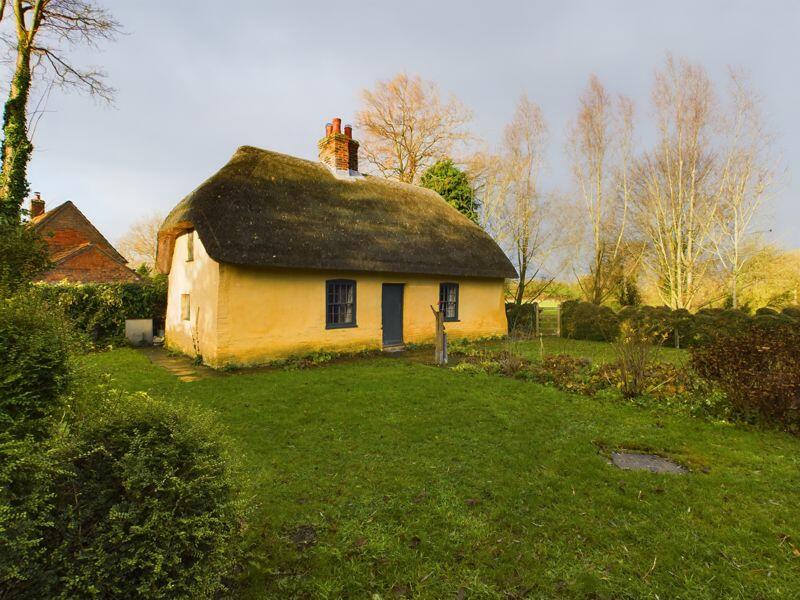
(452, 184)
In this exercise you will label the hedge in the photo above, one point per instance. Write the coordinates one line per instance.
(99, 309)
(587, 321)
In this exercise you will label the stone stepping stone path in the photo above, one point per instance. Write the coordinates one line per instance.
(634, 461)
(180, 366)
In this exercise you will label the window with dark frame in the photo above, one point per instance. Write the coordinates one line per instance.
(340, 303)
(190, 246)
(448, 301)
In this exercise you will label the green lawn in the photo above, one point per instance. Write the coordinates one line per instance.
(409, 480)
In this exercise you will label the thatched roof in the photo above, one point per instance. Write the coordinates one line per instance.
(270, 209)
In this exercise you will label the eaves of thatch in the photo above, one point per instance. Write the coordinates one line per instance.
(272, 210)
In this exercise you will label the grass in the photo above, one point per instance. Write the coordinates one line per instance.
(384, 478)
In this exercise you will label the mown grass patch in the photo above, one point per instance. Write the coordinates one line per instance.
(391, 477)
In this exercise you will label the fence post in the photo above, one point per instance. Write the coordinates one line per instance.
(536, 317)
(558, 327)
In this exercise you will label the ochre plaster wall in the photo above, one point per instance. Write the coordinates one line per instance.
(200, 279)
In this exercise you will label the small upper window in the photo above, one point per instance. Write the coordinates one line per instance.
(186, 309)
(448, 301)
(190, 246)
(340, 303)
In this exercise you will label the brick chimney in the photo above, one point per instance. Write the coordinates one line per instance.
(339, 150)
(37, 205)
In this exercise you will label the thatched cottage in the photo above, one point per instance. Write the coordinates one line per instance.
(275, 256)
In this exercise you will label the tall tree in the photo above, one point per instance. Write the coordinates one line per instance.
(746, 177)
(140, 242)
(600, 149)
(406, 126)
(452, 184)
(516, 211)
(675, 196)
(36, 34)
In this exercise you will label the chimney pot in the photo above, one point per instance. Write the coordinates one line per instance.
(339, 152)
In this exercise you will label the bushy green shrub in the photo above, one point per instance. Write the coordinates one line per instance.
(791, 311)
(766, 310)
(100, 309)
(587, 321)
(581, 320)
(151, 506)
(758, 367)
(23, 255)
(521, 318)
(35, 346)
(27, 476)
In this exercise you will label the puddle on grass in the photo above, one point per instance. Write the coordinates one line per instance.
(635, 461)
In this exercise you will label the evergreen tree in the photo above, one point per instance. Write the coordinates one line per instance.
(452, 184)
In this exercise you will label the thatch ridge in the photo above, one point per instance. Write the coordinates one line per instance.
(269, 209)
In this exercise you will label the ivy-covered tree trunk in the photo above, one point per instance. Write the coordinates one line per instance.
(16, 147)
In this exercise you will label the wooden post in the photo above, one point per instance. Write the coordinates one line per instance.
(441, 352)
(558, 329)
(536, 318)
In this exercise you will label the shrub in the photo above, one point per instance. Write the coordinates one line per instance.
(634, 349)
(791, 311)
(587, 321)
(35, 345)
(766, 310)
(27, 473)
(24, 255)
(758, 367)
(151, 506)
(99, 309)
(521, 318)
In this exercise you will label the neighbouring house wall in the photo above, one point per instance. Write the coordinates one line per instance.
(270, 313)
(200, 279)
(91, 265)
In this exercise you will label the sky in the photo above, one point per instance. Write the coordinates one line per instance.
(197, 79)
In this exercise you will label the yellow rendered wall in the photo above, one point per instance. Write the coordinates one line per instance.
(200, 279)
(271, 313)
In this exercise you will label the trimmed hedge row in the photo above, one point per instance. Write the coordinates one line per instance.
(587, 321)
(99, 309)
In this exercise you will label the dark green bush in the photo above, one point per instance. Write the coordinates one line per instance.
(100, 309)
(758, 368)
(138, 500)
(35, 346)
(521, 318)
(151, 507)
(582, 320)
(23, 255)
(27, 475)
(766, 310)
(587, 321)
(791, 311)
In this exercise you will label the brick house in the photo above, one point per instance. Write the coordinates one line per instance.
(78, 251)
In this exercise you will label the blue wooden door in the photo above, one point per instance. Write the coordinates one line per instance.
(392, 314)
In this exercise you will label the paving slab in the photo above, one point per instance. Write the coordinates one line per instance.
(635, 461)
(181, 366)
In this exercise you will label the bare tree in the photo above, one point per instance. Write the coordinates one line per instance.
(675, 195)
(515, 210)
(139, 243)
(406, 126)
(38, 33)
(746, 176)
(600, 149)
